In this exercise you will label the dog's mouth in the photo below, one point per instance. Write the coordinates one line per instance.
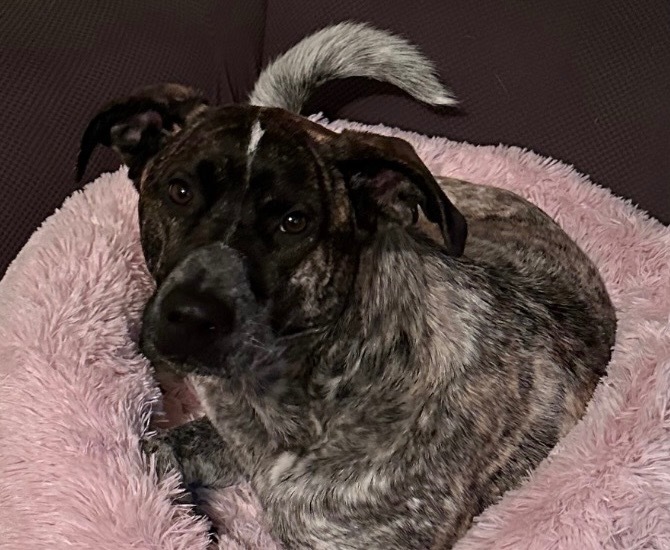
(212, 364)
(215, 360)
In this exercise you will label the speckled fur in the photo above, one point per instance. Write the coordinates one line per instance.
(445, 381)
(422, 381)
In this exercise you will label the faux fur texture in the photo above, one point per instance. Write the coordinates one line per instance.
(75, 395)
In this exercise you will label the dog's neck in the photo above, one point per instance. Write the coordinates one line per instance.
(398, 270)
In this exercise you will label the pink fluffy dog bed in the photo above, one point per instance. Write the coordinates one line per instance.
(75, 395)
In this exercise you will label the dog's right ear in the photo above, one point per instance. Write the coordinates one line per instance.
(137, 127)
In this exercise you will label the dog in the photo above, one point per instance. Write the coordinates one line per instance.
(380, 352)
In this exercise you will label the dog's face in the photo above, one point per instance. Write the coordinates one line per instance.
(294, 200)
(255, 181)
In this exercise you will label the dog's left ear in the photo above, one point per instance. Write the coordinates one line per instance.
(388, 181)
(137, 126)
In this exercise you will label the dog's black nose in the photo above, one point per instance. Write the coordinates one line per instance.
(191, 321)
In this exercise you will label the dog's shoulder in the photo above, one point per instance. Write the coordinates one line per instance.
(505, 229)
(480, 202)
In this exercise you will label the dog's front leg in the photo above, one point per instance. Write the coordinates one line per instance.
(256, 429)
(199, 453)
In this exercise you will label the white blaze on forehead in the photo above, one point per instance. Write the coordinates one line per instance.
(254, 138)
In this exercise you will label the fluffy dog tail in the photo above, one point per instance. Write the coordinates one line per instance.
(346, 50)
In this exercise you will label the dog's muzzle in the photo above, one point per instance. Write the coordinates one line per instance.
(190, 320)
(198, 307)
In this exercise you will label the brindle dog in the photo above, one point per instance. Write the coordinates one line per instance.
(380, 369)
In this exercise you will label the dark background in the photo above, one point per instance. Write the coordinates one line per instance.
(584, 81)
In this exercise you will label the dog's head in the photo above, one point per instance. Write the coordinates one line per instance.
(296, 202)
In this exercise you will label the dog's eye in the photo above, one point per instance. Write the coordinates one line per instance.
(293, 223)
(180, 192)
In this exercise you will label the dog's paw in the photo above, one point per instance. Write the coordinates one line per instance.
(161, 450)
(161, 447)
(158, 446)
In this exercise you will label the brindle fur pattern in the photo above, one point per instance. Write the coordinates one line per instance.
(380, 386)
